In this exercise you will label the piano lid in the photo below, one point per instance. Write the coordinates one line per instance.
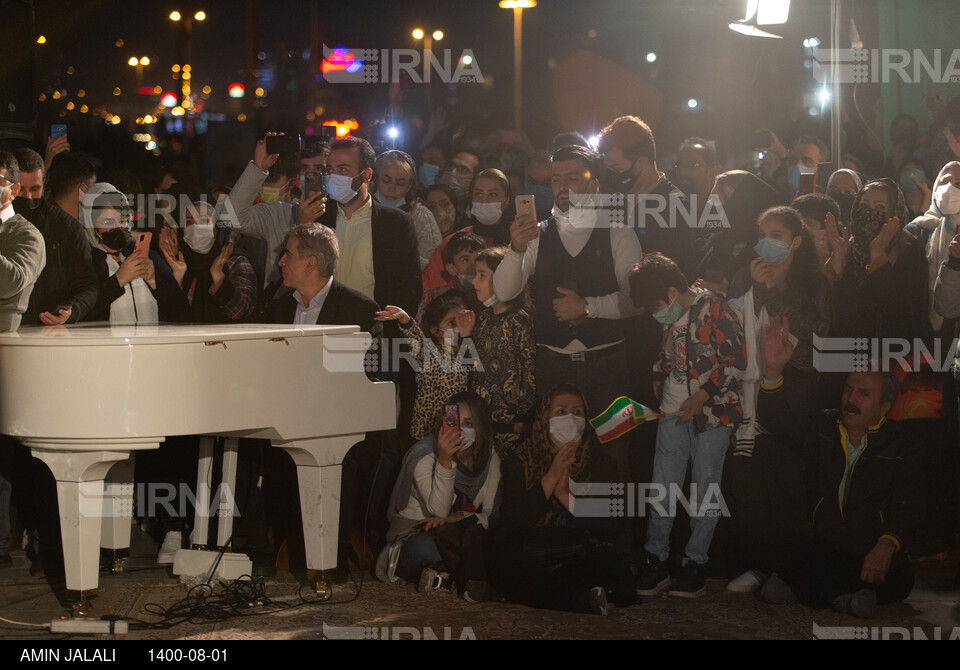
(102, 333)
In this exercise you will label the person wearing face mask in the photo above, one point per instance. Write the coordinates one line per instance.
(461, 253)
(275, 213)
(442, 504)
(630, 158)
(544, 554)
(578, 272)
(440, 368)
(699, 370)
(843, 186)
(442, 203)
(460, 173)
(784, 281)
(378, 245)
(394, 176)
(22, 251)
(883, 272)
(67, 288)
(490, 212)
(434, 157)
(133, 288)
(504, 338)
(939, 226)
(220, 285)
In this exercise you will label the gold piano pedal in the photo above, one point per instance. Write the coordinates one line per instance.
(322, 582)
(80, 602)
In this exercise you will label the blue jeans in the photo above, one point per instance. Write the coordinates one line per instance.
(677, 444)
(419, 551)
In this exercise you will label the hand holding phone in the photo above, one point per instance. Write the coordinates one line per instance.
(142, 247)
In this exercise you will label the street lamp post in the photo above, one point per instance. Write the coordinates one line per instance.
(518, 6)
(139, 64)
(183, 48)
(420, 34)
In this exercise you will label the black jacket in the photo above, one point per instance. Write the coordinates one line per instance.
(342, 307)
(882, 494)
(396, 259)
(68, 277)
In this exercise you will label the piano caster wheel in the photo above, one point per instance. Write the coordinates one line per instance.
(118, 563)
(322, 588)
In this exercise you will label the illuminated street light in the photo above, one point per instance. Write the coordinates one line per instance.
(144, 61)
(174, 16)
(200, 16)
(419, 34)
(518, 6)
(133, 62)
(41, 40)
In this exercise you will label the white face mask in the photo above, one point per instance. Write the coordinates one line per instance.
(566, 428)
(199, 237)
(947, 199)
(468, 436)
(487, 213)
(451, 336)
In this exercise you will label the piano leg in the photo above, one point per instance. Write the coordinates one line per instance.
(228, 487)
(117, 511)
(318, 475)
(201, 520)
(79, 476)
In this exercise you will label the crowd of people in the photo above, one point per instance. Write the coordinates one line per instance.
(528, 316)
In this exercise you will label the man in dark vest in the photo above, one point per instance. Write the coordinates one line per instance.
(578, 269)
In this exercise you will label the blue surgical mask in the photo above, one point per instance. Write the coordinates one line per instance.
(339, 187)
(669, 314)
(772, 251)
(428, 174)
(398, 203)
(906, 183)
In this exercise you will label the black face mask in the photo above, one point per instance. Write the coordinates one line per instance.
(116, 239)
(27, 204)
(845, 200)
(621, 181)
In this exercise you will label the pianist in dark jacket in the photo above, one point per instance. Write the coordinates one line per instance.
(307, 263)
(133, 289)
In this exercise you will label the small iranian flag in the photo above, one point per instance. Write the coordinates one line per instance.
(622, 416)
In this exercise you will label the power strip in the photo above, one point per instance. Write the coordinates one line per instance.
(89, 626)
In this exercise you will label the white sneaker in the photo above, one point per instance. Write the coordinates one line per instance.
(748, 582)
(172, 543)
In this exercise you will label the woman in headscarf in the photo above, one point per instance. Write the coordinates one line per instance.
(134, 288)
(882, 269)
(491, 211)
(220, 285)
(395, 180)
(743, 196)
(443, 501)
(544, 554)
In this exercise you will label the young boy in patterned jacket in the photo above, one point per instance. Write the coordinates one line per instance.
(698, 372)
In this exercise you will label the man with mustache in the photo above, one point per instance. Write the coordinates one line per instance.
(866, 497)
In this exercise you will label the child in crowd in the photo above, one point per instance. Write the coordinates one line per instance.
(459, 258)
(701, 360)
(440, 372)
(505, 343)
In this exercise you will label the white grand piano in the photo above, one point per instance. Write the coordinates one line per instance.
(87, 396)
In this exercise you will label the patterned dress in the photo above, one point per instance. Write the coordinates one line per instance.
(440, 374)
(504, 376)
